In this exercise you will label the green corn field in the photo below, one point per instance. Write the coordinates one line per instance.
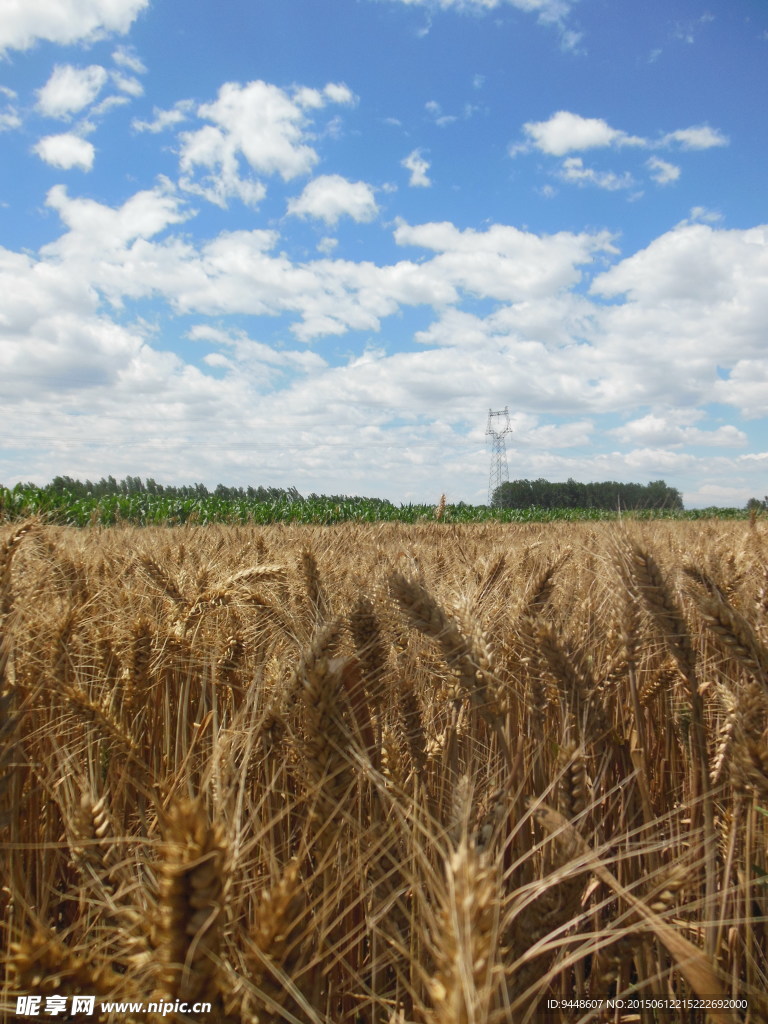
(144, 509)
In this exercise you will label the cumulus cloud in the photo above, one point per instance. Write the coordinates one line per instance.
(745, 387)
(9, 116)
(650, 461)
(671, 429)
(69, 89)
(338, 92)
(65, 21)
(101, 109)
(548, 11)
(574, 172)
(163, 119)
(126, 57)
(418, 166)
(331, 197)
(566, 132)
(9, 119)
(128, 84)
(692, 300)
(662, 172)
(695, 263)
(683, 327)
(270, 366)
(239, 272)
(697, 137)
(703, 215)
(100, 242)
(435, 111)
(504, 262)
(263, 125)
(66, 151)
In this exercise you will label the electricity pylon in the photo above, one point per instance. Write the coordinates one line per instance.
(499, 470)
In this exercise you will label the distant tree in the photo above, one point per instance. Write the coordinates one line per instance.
(608, 494)
(135, 485)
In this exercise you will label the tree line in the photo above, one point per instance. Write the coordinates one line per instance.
(608, 494)
(129, 485)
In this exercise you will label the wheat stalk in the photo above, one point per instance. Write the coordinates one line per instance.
(191, 874)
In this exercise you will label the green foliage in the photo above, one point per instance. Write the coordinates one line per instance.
(609, 495)
(70, 502)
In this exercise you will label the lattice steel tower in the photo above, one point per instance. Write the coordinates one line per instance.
(499, 470)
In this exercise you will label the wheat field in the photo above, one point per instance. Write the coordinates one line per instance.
(387, 773)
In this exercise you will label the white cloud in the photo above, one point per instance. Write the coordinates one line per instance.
(237, 272)
(258, 120)
(163, 119)
(672, 430)
(261, 123)
(435, 111)
(66, 151)
(692, 301)
(662, 172)
(338, 92)
(101, 109)
(531, 433)
(127, 83)
(418, 166)
(559, 356)
(651, 461)
(504, 262)
(574, 172)
(125, 57)
(746, 387)
(552, 11)
(331, 196)
(9, 117)
(565, 132)
(69, 89)
(697, 137)
(102, 230)
(22, 24)
(270, 366)
(702, 215)
(550, 436)
(570, 39)
(697, 264)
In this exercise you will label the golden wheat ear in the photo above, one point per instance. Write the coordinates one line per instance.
(8, 549)
(191, 876)
(467, 977)
(12, 715)
(653, 588)
(370, 646)
(42, 964)
(276, 942)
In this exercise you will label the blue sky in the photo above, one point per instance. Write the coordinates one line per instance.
(310, 243)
